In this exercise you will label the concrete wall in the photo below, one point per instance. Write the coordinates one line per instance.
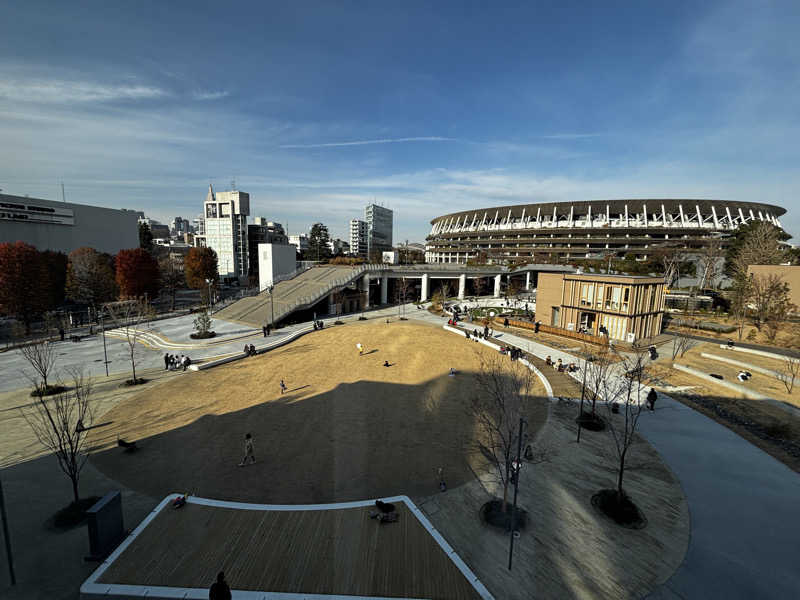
(274, 260)
(68, 227)
(548, 294)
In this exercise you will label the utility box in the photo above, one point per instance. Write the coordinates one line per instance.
(106, 529)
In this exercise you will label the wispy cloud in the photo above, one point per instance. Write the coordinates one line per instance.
(569, 136)
(55, 91)
(208, 95)
(368, 142)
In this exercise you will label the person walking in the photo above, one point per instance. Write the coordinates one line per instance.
(269, 328)
(219, 589)
(166, 361)
(360, 349)
(264, 330)
(248, 450)
(652, 396)
(283, 387)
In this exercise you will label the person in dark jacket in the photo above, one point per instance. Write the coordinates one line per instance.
(219, 589)
(652, 396)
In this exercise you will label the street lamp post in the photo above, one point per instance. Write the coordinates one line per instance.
(210, 299)
(5, 536)
(271, 305)
(517, 470)
(105, 353)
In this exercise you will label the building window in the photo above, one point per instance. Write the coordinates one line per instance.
(211, 211)
(616, 293)
(600, 296)
(625, 299)
(587, 293)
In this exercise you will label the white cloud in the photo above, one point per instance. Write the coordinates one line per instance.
(54, 91)
(209, 95)
(368, 142)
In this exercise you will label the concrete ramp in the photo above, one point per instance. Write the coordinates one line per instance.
(303, 291)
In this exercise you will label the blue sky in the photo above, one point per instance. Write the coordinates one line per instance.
(317, 108)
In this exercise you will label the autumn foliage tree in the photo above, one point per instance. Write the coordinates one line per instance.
(137, 273)
(200, 264)
(23, 289)
(90, 278)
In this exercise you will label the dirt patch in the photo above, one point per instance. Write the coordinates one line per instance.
(347, 428)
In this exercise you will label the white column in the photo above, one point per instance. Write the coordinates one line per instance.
(497, 286)
(365, 289)
(424, 294)
(528, 280)
(384, 289)
(462, 285)
(331, 304)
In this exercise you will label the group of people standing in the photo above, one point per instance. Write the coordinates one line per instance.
(172, 362)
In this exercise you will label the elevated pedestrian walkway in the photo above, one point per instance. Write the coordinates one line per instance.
(302, 291)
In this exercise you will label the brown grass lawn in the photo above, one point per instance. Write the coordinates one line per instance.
(348, 427)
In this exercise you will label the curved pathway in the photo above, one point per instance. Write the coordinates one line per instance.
(743, 503)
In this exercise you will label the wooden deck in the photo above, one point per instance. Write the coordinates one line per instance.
(333, 551)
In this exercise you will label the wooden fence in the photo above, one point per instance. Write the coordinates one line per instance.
(583, 337)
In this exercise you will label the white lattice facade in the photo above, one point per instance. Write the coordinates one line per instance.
(586, 229)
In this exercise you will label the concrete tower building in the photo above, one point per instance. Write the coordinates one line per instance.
(379, 228)
(226, 231)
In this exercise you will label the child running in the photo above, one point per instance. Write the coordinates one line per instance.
(283, 387)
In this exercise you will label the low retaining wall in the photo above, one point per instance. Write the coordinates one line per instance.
(739, 389)
(753, 351)
(240, 355)
(739, 364)
(547, 387)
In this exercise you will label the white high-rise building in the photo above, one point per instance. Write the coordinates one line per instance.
(358, 237)
(226, 230)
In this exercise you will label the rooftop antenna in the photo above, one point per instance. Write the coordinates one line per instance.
(63, 197)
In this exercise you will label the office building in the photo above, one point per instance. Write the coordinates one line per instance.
(225, 215)
(64, 226)
(179, 226)
(623, 307)
(199, 224)
(358, 237)
(380, 223)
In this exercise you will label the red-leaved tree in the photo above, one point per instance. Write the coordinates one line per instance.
(200, 264)
(23, 292)
(137, 273)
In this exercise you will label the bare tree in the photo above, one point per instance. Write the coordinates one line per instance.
(762, 246)
(61, 423)
(682, 343)
(41, 356)
(625, 393)
(742, 291)
(710, 264)
(503, 392)
(402, 288)
(130, 316)
(770, 300)
(670, 256)
(445, 290)
(789, 372)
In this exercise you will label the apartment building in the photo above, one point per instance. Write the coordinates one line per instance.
(358, 237)
(624, 307)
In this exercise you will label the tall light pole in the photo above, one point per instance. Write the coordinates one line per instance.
(5, 536)
(271, 305)
(517, 470)
(105, 353)
(210, 299)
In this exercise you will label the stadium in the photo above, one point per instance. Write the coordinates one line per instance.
(555, 231)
